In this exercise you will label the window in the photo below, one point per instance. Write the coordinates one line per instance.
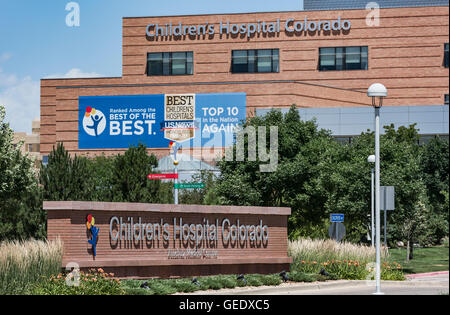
(344, 140)
(424, 139)
(446, 55)
(253, 61)
(446, 100)
(343, 58)
(170, 63)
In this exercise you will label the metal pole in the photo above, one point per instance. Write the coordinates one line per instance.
(175, 187)
(377, 199)
(372, 207)
(337, 231)
(385, 229)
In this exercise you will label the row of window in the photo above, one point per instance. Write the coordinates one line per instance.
(423, 139)
(265, 60)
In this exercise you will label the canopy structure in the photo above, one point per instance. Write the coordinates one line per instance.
(187, 168)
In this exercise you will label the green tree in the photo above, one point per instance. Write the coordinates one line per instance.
(202, 196)
(66, 178)
(303, 152)
(21, 214)
(435, 174)
(102, 169)
(130, 182)
(316, 176)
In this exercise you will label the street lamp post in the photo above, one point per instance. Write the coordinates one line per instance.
(377, 91)
(371, 159)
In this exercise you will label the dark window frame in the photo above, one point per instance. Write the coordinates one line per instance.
(446, 55)
(253, 56)
(345, 54)
(166, 61)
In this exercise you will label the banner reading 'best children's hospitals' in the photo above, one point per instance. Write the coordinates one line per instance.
(195, 120)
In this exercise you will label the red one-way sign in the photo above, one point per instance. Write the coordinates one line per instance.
(163, 176)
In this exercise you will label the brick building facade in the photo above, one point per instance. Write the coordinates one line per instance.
(281, 65)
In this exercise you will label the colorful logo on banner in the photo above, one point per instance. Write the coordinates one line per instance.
(93, 233)
(94, 122)
(191, 120)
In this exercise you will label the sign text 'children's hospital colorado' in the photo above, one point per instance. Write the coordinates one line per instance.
(290, 26)
(195, 120)
(190, 240)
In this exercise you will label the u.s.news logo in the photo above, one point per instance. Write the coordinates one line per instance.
(94, 122)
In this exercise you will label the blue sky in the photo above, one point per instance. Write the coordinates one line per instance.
(35, 41)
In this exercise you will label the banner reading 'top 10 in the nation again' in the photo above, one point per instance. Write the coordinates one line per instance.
(196, 120)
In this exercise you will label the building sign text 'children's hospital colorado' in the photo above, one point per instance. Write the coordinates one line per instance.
(290, 26)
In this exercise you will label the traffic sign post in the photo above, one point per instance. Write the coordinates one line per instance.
(337, 229)
(387, 196)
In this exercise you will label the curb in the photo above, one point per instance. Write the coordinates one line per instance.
(318, 286)
(427, 274)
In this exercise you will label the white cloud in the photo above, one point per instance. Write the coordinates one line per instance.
(20, 96)
(5, 56)
(73, 74)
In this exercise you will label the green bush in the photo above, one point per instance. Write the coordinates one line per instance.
(297, 276)
(92, 283)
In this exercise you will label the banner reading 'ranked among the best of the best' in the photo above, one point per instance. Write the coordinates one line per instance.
(195, 120)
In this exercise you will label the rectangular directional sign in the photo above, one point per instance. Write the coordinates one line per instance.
(337, 217)
(192, 120)
(189, 186)
(163, 176)
(387, 198)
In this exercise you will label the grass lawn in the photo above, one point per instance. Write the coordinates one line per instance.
(425, 259)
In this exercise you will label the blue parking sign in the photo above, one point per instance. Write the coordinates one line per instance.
(337, 217)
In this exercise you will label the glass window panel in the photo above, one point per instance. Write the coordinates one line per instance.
(275, 60)
(178, 63)
(166, 64)
(265, 60)
(364, 58)
(344, 58)
(340, 59)
(327, 59)
(240, 63)
(154, 65)
(190, 63)
(352, 55)
(251, 61)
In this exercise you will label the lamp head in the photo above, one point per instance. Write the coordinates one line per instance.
(377, 90)
(371, 159)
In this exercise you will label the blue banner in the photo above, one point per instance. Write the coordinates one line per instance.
(195, 120)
